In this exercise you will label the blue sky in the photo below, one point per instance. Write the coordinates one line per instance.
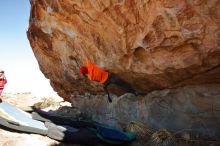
(16, 56)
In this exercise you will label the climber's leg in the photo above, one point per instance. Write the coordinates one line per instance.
(122, 84)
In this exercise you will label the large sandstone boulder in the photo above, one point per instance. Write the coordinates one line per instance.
(153, 44)
(172, 46)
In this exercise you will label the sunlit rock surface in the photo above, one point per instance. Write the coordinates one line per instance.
(151, 44)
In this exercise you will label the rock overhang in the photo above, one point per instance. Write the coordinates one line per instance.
(151, 44)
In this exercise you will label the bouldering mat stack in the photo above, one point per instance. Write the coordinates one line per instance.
(61, 128)
(104, 132)
(14, 118)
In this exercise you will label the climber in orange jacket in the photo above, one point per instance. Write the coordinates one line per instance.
(95, 73)
(3, 81)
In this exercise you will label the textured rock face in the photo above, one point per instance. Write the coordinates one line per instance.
(192, 109)
(153, 44)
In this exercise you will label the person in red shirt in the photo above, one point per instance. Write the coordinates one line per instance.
(95, 73)
(3, 81)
